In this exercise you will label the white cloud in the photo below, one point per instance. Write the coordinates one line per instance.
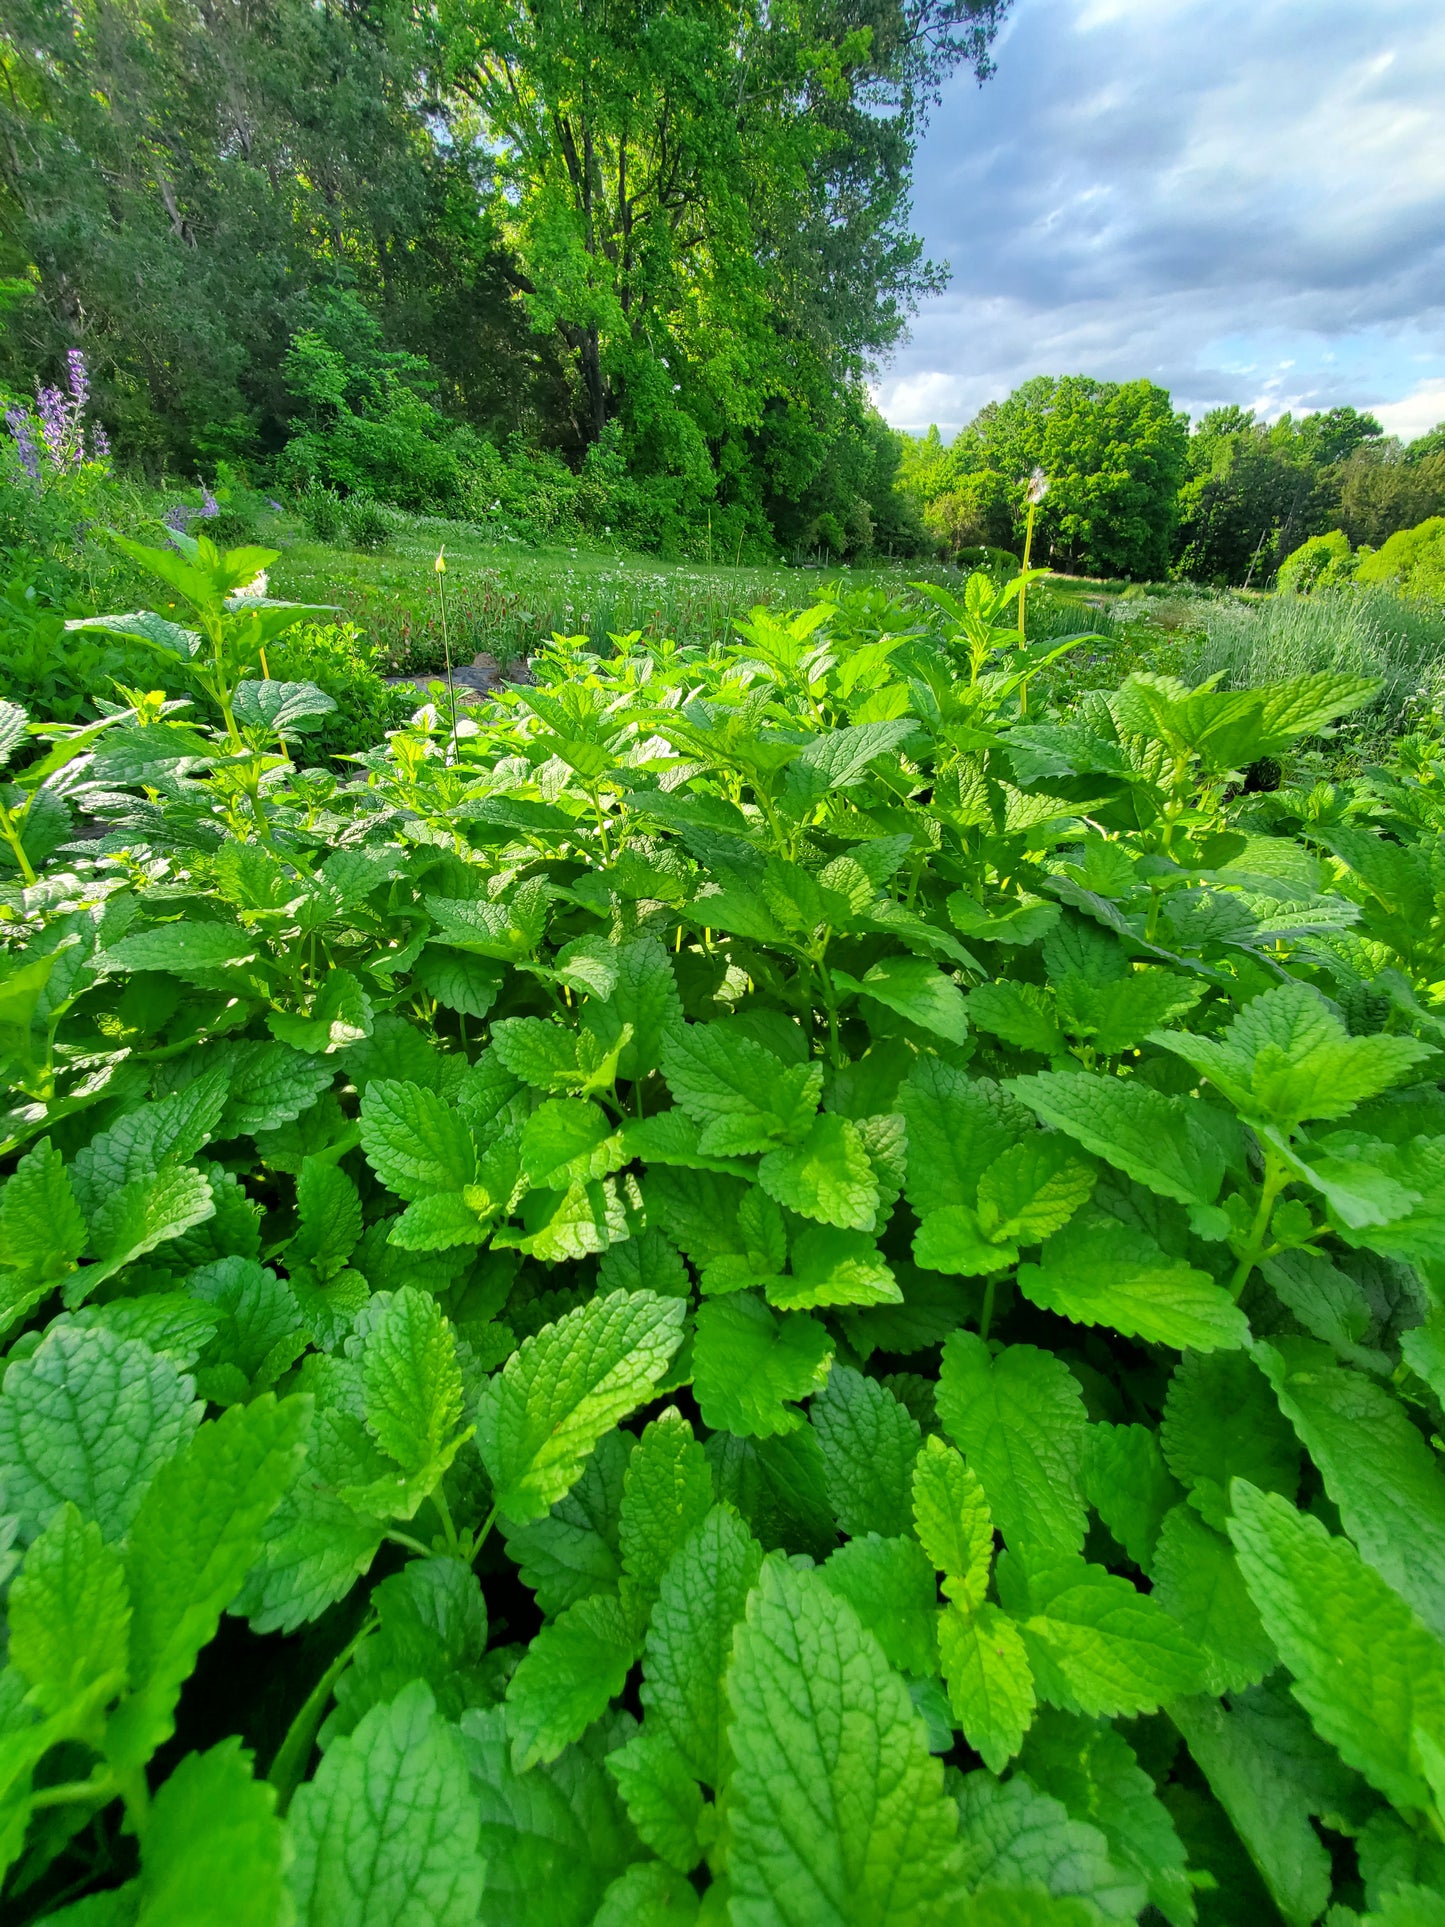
(1416, 412)
(1241, 199)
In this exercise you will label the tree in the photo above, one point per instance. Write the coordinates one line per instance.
(1114, 453)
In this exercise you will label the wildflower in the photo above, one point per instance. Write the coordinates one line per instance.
(1038, 487)
(275, 507)
(255, 589)
(78, 378)
(99, 443)
(209, 505)
(178, 517)
(19, 424)
(54, 423)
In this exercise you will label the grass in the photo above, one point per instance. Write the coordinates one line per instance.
(505, 602)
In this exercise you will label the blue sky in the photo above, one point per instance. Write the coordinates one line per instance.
(1242, 199)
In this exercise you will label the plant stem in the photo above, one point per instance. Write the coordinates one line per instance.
(295, 1750)
(1276, 1177)
(985, 1317)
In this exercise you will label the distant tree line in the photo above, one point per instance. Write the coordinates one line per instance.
(1135, 491)
(383, 247)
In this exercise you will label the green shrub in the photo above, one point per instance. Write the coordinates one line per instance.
(323, 515)
(368, 526)
(1321, 563)
(339, 660)
(1413, 561)
(232, 528)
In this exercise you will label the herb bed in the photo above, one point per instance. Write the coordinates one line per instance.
(765, 1285)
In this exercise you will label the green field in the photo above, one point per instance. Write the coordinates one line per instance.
(506, 599)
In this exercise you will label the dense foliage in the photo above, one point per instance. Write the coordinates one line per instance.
(420, 250)
(1139, 493)
(818, 1284)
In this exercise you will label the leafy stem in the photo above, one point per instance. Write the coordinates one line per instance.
(295, 1750)
(1276, 1177)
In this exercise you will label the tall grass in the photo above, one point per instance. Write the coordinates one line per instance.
(1359, 631)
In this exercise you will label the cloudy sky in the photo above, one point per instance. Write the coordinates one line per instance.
(1242, 199)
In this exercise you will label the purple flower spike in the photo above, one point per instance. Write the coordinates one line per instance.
(178, 518)
(209, 505)
(100, 443)
(18, 422)
(79, 377)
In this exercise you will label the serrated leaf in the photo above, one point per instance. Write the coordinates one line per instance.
(663, 1800)
(989, 1679)
(570, 1671)
(828, 1176)
(953, 1522)
(1375, 1466)
(215, 1850)
(750, 1365)
(1365, 1669)
(412, 1383)
(1021, 1013)
(915, 989)
(870, 1443)
(575, 1549)
(89, 1417)
(540, 1417)
(1159, 1141)
(890, 1584)
(69, 1614)
(552, 1839)
(1221, 1422)
(1019, 1420)
(837, 1812)
(196, 1534)
(1016, 1837)
(386, 1835)
(690, 1641)
(417, 1145)
(1098, 1271)
(136, 1219)
(1196, 1579)
(1031, 1190)
(433, 1626)
(1129, 1486)
(1094, 1773)
(666, 1494)
(181, 950)
(957, 1126)
(1096, 1645)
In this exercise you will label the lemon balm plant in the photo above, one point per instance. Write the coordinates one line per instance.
(751, 1288)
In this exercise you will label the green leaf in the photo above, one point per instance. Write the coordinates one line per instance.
(412, 1382)
(196, 1534)
(743, 1097)
(1221, 1422)
(666, 1494)
(457, 980)
(952, 1240)
(890, 1584)
(386, 1835)
(1032, 1189)
(833, 1267)
(1096, 1645)
(837, 1813)
(1016, 1837)
(870, 1443)
(1196, 1579)
(1129, 1486)
(330, 1213)
(1019, 1420)
(575, 1549)
(568, 1674)
(341, 1014)
(143, 1214)
(748, 1365)
(69, 1614)
(270, 1085)
(433, 1626)
(828, 1176)
(690, 1641)
(957, 1126)
(663, 1800)
(648, 1895)
(1260, 1791)
(1094, 1773)
(416, 1144)
(953, 1522)
(89, 1417)
(1365, 1669)
(1098, 1271)
(279, 707)
(643, 998)
(1376, 1467)
(1161, 1142)
(215, 1850)
(191, 951)
(915, 989)
(41, 1230)
(541, 1415)
(1021, 1013)
(1287, 1057)
(989, 1679)
(568, 1140)
(552, 1839)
